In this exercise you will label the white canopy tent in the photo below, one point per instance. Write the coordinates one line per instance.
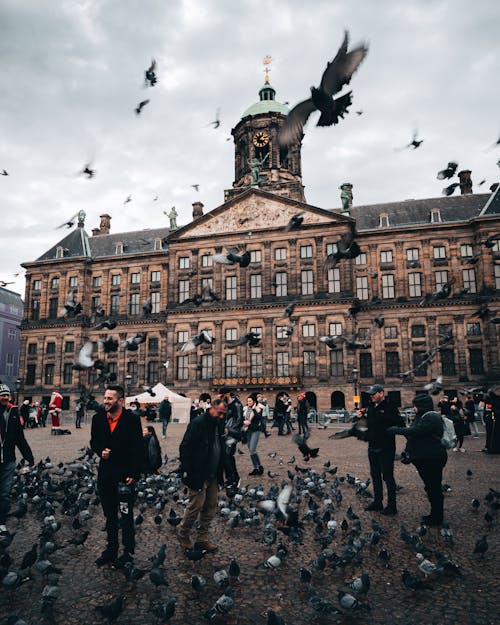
(181, 406)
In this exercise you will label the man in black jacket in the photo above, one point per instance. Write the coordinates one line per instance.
(116, 437)
(165, 414)
(201, 456)
(380, 416)
(11, 435)
(233, 433)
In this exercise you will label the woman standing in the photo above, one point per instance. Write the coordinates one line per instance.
(152, 450)
(459, 423)
(302, 411)
(425, 451)
(252, 422)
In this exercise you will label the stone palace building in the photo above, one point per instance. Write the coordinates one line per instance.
(409, 249)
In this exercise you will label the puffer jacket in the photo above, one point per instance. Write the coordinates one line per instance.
(424, 436)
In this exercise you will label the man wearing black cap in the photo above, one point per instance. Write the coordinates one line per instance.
(11, 435)
(380, 416)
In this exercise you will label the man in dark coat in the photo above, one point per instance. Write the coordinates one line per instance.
(233, 433)
(201, 456)
(116, 437)
(380, 416)
(11, 436)
(165, 414)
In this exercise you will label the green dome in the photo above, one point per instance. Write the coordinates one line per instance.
(267, 103)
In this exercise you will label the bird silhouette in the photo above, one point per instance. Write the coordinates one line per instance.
(450, 190)
(217, 122)
(132, 344)
(232, 257)
(295, 222)
(150, 75)
(4, 173)
(414, 143)
(337, 74)
(347, 248)
(448, 172)
(251, 338)
(196, 340)
(140, 106)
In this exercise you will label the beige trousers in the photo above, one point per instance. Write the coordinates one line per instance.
(202, 506)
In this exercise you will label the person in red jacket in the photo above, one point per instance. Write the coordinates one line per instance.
(55, 411)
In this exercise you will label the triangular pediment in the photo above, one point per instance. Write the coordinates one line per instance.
(255, 210)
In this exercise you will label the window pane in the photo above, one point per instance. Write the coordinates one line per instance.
(474, 329)
(365, 365)
(465, 250)
(439, 252)
(306, 251)
(155, 302)
(49, 374)
(116, 279)
(207, 260)
(69, 347)
(469, 277)
(282, 364)
(280, 253)
(447, 362)
(418, 331)
(388, 286)
(115, 305)
(183, 290)
(336, 363)
(386, 256)
(255, 256)
(392, 363)
(231, 366)
(476, 361)
(134, 304)
(281, 284)
(440, 278)
(362, 287)
(391, 332)
(333, 276)
(308, 329)
(418, 358)
(281, 332)
(153, 345)
(135, 278)
(152, 377)
(309, 359)
(182, 336)
(307, 282)
(206, 367)
(231, 334)
(255, 285)
(335, 329)
(231, 288)
(53, 307)
(497, 277)
(412, 253)
(361, 259)
(182, 367)
(256, 365)
(184, 262)
(415, 284)
(68, 373)
(155, 276)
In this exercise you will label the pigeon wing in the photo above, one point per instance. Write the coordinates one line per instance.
(85, 355)
(284, 500)
(339, 72)
(292, 129)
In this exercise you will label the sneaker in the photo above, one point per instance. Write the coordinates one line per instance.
(374, 507)
(164, 437)
(184, 541)
(462, 450)
(122, 560)
(106, 557)
(431, 521)
(254, 472)
(455, 449)
(389, 511)
(206, 545)
(260, 470)
(475, 436)
(3, 529)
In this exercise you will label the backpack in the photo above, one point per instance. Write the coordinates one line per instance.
(449, 438)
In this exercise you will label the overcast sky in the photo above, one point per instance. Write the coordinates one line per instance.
(72, 72)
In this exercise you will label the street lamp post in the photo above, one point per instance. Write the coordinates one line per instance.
(355, 380)
(19, 385)
(128, 383)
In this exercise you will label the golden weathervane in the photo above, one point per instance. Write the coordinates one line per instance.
(266, 62)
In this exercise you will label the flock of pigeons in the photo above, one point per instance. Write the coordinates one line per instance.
(303, 512)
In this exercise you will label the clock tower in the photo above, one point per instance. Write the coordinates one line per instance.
(259, 159)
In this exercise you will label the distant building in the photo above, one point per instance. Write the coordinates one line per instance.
(410, 249)
(11, 315)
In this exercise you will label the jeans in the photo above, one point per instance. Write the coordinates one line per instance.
(382, 466)
(474, 428)
(164, 424)
(112, 504)
(7, 470)
(252, 441)
(431, 472)
(202, 506)
(230, 469)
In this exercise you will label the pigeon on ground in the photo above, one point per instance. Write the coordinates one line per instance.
(481, 546)
(221, 607)
(306, 451)
(112, 609)
(165, 611)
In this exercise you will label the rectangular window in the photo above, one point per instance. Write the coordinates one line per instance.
(155, 276)
(386, 256)
(184, 262)
(280, 253)
(412, 254)
(364, 334)
(152, 377)
(207, 283)
(206, 367)
(447, 362)
(255, 256)
(231, 292)
(32, 349)
(392, 364)
(54, 283)
(445, 330)
(474, 329)
(69, 347)
(497, 277)
(307, 282)
(207, 260)
(115, 305)
(158, 245)
(469, 277)
(231, 334)
(415, 284)
(281, 283)
(95, 302)
(183, 290)
(51, 348)
(417, 331)
(135, 278)
(182, 367)
(388, 286)
(37, 285)
(439, 252)
(134, 304)
(255, 285)
(68, 373)
(361, 259)
(116, 279)
(35, 309)
(132, 372)
(365, 365)
(466, 250)
(420, 370)
(11, 333)
(306, 251)
(391, 332)
(333, 276)
(231, 366)
(257, 331)
(309, 362)
(331, 248)
(96, 282)
(256, 365)
(53, 307)
(476, 361)
(308, 330)
(496, 246)
(362, 287)
(336, 363)
(73, 282)
(281, 332)
(49, 374)
(153, 345)
(440, 278)
(30, 374)
(335, 329)
(9, 364)
(155, 301)
(282, 364)
(182, 336)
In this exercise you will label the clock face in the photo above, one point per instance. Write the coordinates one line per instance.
(260, 139)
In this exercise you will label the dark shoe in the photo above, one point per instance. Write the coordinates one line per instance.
(260, 470)
(206, 545)
(254, 472)
(120, 562)
(431, 521)
(374, 507)
(389, 511)
(184, 541)
(106, 557)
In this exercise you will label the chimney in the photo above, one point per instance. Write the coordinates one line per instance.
(105, 225)
(197, 210)
(465, 181)
(95, 232)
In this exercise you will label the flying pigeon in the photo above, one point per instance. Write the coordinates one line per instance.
(198, 339)
(233, 258)
(150, 75)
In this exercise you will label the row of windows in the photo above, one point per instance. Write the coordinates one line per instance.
(116, 280)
